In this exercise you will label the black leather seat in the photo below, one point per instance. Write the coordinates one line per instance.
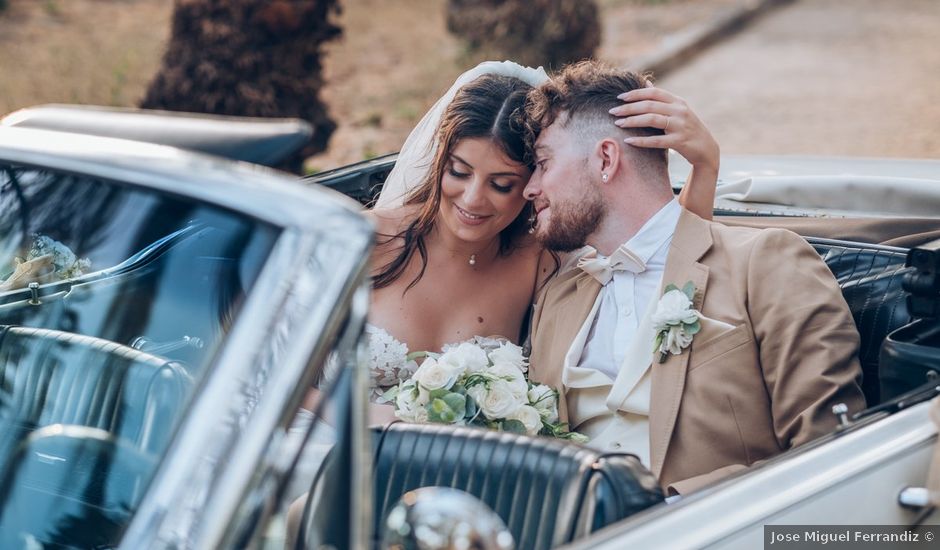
(548, 491)
(870, 277)
(55, 377)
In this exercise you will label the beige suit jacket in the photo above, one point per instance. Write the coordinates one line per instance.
(735, 396)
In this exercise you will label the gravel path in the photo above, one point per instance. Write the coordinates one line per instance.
(826, 77)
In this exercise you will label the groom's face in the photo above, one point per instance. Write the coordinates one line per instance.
(568, 206)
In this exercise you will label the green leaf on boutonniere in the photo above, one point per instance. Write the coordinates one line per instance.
(670, 287)
(689, 290)
(692, 328)
(658, 341)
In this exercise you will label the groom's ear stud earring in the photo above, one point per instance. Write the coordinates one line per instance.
(604, 177)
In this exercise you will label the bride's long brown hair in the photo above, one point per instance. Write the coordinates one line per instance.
(492, 107)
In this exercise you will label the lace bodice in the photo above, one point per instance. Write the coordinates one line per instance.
(388, 361)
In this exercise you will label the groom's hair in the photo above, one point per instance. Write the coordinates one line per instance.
(579, 98)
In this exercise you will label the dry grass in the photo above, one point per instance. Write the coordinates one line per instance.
(99, 52)
(394, 60)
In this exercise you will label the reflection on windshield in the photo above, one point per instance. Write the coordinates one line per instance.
(132, 294)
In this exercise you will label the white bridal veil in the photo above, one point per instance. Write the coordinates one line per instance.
(417, 153)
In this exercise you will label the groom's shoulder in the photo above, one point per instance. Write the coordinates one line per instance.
(762, 243)
(737, 236)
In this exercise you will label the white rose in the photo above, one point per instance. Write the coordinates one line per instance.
(676, 340)
(542, 397)
(529, 417)
(433, 375)
(674, 308)
(510, 353)
(407, 402)
(511, 374)
(499, 401)
(465, 358)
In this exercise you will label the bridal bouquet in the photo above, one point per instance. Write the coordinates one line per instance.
(46, 260)
(481, 382)
(65, 264)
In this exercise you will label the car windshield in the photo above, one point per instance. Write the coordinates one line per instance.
(113, 302)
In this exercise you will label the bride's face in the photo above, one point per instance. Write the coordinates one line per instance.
(481, 190)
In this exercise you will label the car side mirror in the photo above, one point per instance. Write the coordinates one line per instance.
(438, 518)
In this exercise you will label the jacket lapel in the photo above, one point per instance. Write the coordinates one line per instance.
(635, 364)
(569, 308)
(690, 242)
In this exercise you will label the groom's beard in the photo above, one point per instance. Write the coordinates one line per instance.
(572, 224)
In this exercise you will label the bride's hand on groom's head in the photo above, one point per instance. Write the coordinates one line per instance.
(683, 132)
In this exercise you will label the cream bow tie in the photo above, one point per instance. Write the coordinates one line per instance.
(602, 269)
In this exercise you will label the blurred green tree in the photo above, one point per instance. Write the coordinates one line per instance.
(249, 58)
(531, 32)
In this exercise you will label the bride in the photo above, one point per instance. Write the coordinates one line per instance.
(454, 255)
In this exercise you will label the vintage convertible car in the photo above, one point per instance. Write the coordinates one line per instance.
(167, 319)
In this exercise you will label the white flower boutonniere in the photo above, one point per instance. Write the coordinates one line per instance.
(675, 321)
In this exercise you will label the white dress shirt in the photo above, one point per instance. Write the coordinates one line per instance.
(622, 299)
(594, 360)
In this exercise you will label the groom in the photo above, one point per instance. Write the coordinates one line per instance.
(700, 348)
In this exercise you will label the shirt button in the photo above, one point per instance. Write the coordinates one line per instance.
(627, 312)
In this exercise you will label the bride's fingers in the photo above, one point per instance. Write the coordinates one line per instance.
(645, 121)
(643, 107)
(653, 93)
(653, 142)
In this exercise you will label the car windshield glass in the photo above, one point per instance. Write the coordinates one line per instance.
(113, 302)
